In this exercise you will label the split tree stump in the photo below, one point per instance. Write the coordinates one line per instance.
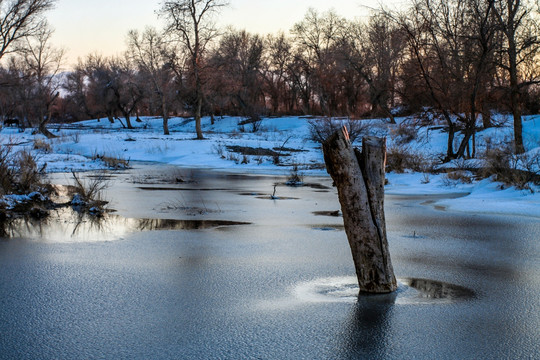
(359, 178)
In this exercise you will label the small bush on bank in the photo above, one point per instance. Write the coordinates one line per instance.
(19, 173)
(87, 194)
(27, 176)
(113, 162)
(43, 146)
(6, 171)
(21, 187)
(406, 132)
(511, 169)
(254, 119)
(400, 158)
(321, 129)
(453, 178)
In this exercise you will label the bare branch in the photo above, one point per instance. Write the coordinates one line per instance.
(20, 19)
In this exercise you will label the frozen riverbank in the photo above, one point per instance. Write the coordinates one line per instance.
(279, 144)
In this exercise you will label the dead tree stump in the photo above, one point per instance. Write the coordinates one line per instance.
(359, 178)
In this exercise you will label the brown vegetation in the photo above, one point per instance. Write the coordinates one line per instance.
(455, 61)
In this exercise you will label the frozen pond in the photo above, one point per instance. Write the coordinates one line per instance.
(228, 273)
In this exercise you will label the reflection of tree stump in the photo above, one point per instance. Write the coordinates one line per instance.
(359, 178)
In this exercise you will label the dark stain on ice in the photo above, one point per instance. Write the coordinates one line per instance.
(333, 213)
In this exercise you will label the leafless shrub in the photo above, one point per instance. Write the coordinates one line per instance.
(511, 169)
(276, 158)
(219, 149)
(28, 177)
(87, 194)
(455, 177)
(295, 178)
(400, 158)
(6, 171)
(160, 148)
(407, 131)
(233, 157)
(113, 162)
(43, 146)
(253, 119)
(321, 129)
(76, 137)
(18, 171)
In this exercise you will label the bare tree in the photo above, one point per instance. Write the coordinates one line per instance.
(43, 62)
(451, 45)
(99, 82)
(20, 19)
(75, 85)
(300, 75)
(277, 55)
(374, 51)
(127, 91)
(239, 59)
(155, 59)
(15, 90)
(316, 38)
(520, 48)
(191, 22)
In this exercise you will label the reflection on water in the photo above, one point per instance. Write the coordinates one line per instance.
(66, 225)
(366, 331)
(438, 290)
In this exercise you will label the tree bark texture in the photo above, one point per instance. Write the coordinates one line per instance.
(359, 178)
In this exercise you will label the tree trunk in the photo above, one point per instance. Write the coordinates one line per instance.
(486, 117)
(128, 120)
(468, 133)
(515, 101)
(511, 31)
(165, 112)
(450, 142)
(359, 178)
(166, 125)
(43, 128)
(518, 129)
(198, 128)
(110, 117)
(198, 90)
(44, 120)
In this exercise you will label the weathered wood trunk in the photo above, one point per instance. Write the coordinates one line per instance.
(359, 178)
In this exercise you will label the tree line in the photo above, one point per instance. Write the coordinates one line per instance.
(450, 62)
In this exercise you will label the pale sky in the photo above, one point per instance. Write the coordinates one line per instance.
(83, 27)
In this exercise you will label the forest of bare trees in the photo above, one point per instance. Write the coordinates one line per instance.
(453, 62)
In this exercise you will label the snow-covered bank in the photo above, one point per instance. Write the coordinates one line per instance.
(279, 144)
(483, 196)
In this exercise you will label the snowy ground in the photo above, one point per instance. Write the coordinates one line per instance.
(80, 146)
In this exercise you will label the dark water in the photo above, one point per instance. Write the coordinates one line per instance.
(280, 287)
